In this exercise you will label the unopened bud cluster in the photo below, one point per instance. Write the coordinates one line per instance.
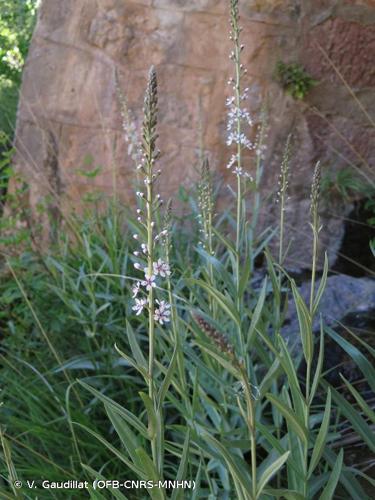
(218, 338)
(238, 116)
(315, 188)
(206, 204)
(130, 128)
(283, 182)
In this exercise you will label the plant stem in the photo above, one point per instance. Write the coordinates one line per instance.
(313, 270)
(151, 320)
(315, 228)
(239, 215)
(252, 430)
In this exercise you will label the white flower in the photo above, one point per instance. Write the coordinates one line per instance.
(149, 281)
(230, 100)
(139, 305)
(162, 313)
(232, 161)
(144, 248)
(135, 289)
(137, 265)
(162, 268)
(163, 305)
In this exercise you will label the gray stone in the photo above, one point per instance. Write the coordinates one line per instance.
(343, 295)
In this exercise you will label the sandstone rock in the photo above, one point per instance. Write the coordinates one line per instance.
(69, 96)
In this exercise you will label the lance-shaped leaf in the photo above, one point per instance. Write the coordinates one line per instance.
(292, 420)
(321, 438)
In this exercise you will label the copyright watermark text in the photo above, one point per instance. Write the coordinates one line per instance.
(102, 484)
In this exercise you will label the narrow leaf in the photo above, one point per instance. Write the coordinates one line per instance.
(270, 472)
(329, 490)
(304, 320)
(291, 418)
(152, 420)
(320, 442)
(322, 285)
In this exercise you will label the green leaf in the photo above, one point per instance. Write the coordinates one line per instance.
(304, 320)
(347, 479)
(126, 414)
(270, 472)
(227, 243)
(329, 490)
(245, 275)
(241, 481)
(151, 474)
(181, 473)
(291, 418)
(134, 364)
(218, 357)
(96, 475)
(319, 364)
(322, 285)
(224, 302)
(321, 439)
(284, 494)
(221, 271)
(273, 277)
(167, 379)
(289, 368)
(134, 346)
(271, 375)
(358, 423)
(127, 437)
(256, 314)
(363, 363)
(111, 448)
(361, 402)
(152, 420)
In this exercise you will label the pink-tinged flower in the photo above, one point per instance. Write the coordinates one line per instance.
(149, 281)
(135, 289)
(139, 305)
(162, 313)
(163, 305)
(162, 268)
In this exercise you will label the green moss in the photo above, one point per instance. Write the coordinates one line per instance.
(294, 79)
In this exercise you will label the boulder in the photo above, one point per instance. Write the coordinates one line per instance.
(343, 295)
(69, 98)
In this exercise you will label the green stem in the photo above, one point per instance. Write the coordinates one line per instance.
(313, 271)
(151, 320)
(239, 187)
(309, 362)
(252, 430)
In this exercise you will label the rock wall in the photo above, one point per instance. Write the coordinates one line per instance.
(69, 108)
